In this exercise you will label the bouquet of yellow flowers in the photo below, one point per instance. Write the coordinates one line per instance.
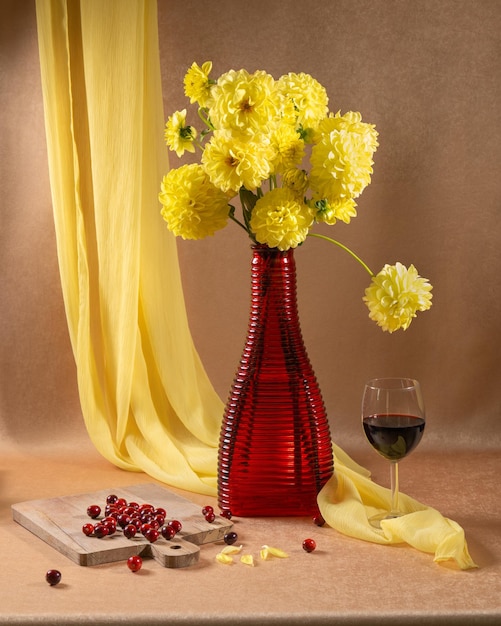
(257, 134)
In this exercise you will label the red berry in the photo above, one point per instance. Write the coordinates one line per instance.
(318, 520)
(111, 499)
(207, 509)
(210, 517)
(121, 502)
(151, 534)
(88, 529)
(100, 531)
(175, 524)
(160, 511)
(53, 577)
(93, 511)
(226, 513)
(130, 531)
(123, 520)
(134, 563)
(309, 545)
(168, 532)
(230, 538)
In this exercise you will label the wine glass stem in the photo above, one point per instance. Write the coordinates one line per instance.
(394, 488)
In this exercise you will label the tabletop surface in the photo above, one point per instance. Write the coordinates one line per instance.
(344, 581)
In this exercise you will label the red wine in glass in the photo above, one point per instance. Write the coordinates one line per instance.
(393, 419)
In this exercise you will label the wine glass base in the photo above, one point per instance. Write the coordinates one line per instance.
(376, 520)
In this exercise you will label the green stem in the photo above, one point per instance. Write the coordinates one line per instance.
(205, 120)
(346, 249)
(237, 221)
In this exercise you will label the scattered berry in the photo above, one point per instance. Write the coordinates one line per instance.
(134, 563)
(175, 524)
(100, 531)
(210, 517)
(88, 529)
(94, 511)
(230, 538)
(168, 532)
(309, 545)
(318, 520)
(53, 577)
(130, 531)
(226, 513)
(207, 509)
(111, 499)
(151, 535)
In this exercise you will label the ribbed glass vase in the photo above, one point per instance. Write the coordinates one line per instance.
(275, 450)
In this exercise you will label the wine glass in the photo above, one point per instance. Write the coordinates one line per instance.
(393, 418)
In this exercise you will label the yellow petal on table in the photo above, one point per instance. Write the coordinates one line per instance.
(247, 559)
(225, 559)
(267, 551)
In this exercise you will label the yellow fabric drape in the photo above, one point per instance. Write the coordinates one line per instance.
(146, 399)
(145, 396)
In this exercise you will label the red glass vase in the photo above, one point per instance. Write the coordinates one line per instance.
(275, 451)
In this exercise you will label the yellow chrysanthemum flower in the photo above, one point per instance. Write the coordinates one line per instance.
(178, 136)
(342, 158)
(289, 148)
(243, 101)
(308, 96)
(296, 180)
(192, 206)
(197, 86)
(330, 212)
(280, 220)
(233, 161)
(395, 295)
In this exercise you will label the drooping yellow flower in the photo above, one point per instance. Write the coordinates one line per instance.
(395, 295)
(289, 148)
(280, 220)
(330, 212)
(243, 101)
(236, 160)
(178, 136)
(192, 206)
(197, 86)
(296, 180)
(308, 96)
(342, 158)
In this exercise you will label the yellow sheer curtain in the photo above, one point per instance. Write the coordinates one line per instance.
(147, 402)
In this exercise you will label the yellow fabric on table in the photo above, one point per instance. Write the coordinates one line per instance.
(350, 498)
(146, 400)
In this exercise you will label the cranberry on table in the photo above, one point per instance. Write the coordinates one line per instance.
(130, 531)
(134, 563)
(53, 577)
(230, 538)
(168, 532)
(210, 517)
(151, 534)
(175, 524)
(100, 531)
(88, 529)
(318, 520)
(309, 545)
(226, 513)
(94, 511)
(207, 509)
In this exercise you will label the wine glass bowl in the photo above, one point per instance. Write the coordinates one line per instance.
(393, 419)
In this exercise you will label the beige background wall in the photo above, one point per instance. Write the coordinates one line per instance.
(427, 73)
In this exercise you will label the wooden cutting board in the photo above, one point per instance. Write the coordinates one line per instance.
(59, 521)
